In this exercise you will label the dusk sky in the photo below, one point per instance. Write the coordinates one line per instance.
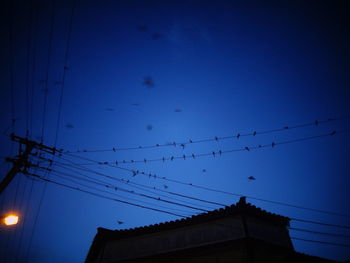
(148, 100)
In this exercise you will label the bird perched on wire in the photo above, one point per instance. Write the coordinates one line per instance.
(120, 222)
(251, 178)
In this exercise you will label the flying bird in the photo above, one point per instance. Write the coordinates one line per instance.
(69, 126)
(148, 82)
(251, 178)
(156, 36)
(142, 28)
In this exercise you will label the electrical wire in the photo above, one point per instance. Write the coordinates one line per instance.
(251, 197)
(48, 64)
(105, 197)
(64, 71)
(215, 138)
(117, 188)
(216, 190)
(319, 223)
(43, 121)
(220, 152)
(119, 196)
(317, 232)
(321, 242)
(229, 193)
(142, 187)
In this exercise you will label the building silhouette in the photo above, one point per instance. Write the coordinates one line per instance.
(237, 233)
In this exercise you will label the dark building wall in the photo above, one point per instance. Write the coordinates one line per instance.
(214, 232)
(238, 233)
(267, 231)
(222, 230)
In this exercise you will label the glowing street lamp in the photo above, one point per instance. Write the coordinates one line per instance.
(11, 219)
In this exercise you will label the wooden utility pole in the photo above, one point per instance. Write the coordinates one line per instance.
(22, 160)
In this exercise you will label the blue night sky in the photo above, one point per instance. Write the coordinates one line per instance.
(125, 74)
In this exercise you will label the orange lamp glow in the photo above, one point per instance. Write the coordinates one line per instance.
(11, 220)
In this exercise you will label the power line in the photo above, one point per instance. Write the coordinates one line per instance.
(319, 223)
(33, 73)
(163, 211)
(234, 194)
(225, 192)
(131, 183)
(321, 242)
(64, 71)
(220, 152)
(141, 187)
(117, 188)
(105, 197)
(23, 206)
(214, 138)
(251, 197)
(317, 232)
(13, 112)
(193, 156)
(43, 121)
(48, 67)
(239, 195)
(180, 195)
(120, 196)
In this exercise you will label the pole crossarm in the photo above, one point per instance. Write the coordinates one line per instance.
(22, 160)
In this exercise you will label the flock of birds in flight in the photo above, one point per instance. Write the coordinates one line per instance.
(148, 82)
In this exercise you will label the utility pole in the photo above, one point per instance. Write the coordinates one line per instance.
(22, 160)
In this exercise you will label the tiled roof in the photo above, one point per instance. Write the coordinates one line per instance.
(240, 208)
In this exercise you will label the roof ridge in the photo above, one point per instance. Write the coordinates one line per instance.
(241, 207)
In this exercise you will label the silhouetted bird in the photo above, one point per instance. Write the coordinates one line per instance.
(142, 28)
(148, 82)
(120, 222)
(178, 110)
(149, 127)
(251, 178)
(204, 170)
(69, 126)
(156, 36)
(165, 186)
